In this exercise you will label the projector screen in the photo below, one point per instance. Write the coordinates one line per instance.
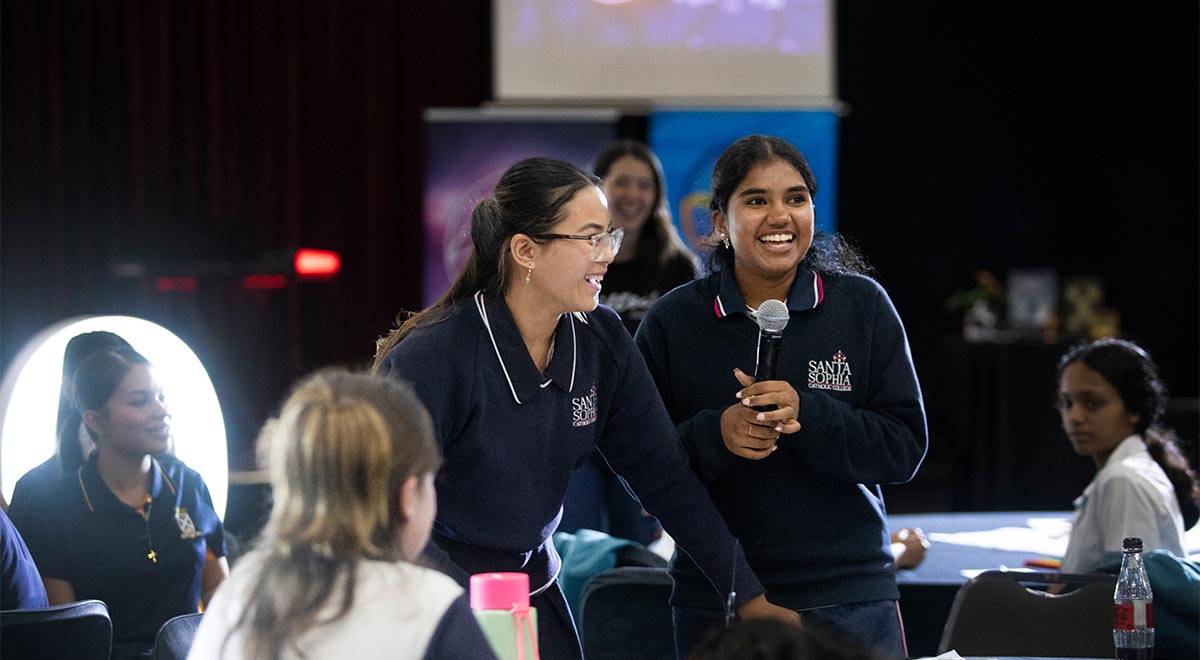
(731, 52)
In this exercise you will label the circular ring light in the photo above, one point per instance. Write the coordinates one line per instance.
(30, 389)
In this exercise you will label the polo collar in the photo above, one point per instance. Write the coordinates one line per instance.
(523, 377)
(808, 290)
(98, 497)
(1128, 448)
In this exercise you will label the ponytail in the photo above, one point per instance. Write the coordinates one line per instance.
(487, 266)
(1163, 446)
(74, 445)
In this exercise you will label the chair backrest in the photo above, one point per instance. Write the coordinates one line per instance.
(174, 638)
(995, 614)
(81, 630)
(626, 614)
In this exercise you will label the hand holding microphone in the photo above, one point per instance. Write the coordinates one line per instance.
(767, 407)
(772, 317)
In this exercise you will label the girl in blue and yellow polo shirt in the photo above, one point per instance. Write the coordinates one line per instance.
(134, 530)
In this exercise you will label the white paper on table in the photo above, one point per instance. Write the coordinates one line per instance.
(972, 573)
(1046, 537)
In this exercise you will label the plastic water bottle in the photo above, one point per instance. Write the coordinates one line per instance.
(1133, 606)
(500, 602)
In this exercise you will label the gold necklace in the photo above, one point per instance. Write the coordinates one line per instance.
(147, 506)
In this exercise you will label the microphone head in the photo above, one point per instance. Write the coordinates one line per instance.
(772, 316)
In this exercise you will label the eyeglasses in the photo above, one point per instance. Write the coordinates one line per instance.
(600, 242)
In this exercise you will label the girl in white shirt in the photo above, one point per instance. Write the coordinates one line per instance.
(352, 465)
(1112, 401)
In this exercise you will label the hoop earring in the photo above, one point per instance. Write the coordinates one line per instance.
(529, 274)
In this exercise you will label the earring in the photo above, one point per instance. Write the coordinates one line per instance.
(725, 240)
(529, 274)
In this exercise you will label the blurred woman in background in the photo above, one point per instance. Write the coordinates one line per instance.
(653, 258)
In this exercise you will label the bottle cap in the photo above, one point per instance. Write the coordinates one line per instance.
(1132, 543)
(499, 591)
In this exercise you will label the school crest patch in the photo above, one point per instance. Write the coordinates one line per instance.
(583, 409)
(830, 374)
(187, 528)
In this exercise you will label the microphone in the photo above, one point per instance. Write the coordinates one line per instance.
(772, 317)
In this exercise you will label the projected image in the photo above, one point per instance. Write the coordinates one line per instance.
(663, 48)
(29, 398)
(789, 27)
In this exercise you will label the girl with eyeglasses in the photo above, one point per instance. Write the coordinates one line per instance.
(130, 526)
(1111, 401)
(524, 376)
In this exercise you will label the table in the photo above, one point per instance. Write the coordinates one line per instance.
(966, 543)
(962, 545)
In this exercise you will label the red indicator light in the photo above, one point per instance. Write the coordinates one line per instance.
(317, 263)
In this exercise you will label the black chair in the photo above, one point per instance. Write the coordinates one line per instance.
(174, 638)
(79, 631)
(995, 614)
(626, 614)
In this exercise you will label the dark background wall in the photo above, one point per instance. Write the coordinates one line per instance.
(202, 138)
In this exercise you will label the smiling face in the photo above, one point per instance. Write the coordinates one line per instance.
(135, 419)
(631, 188)
(1094, 416)
(567, 273)
(769, 221)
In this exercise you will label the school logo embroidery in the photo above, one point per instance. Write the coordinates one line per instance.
(830, 374)
(583, 409)
(187, 528)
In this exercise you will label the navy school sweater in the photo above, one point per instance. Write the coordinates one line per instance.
(511, 436)
(810, 516)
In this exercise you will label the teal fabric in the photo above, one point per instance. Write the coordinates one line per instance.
(1176, 585)
(584, 554)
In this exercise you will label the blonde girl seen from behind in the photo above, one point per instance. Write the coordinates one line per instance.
(352, 466)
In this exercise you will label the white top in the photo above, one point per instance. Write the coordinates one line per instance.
(1130, 496)
(397, 608)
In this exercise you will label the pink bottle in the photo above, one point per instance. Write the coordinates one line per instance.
(500, 602)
